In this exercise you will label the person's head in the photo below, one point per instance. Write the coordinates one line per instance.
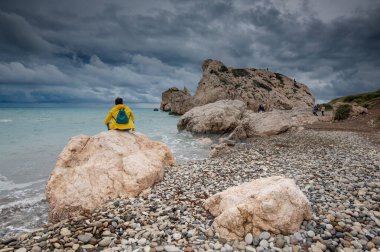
(118, 100)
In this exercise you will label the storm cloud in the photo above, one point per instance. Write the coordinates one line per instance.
(91, 51)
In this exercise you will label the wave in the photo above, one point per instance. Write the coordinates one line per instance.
(23, 203)
(6, 120)
(8, 185)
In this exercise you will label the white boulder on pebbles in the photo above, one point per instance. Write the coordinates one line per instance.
(94, 169)
(220, 116)
(273, 204)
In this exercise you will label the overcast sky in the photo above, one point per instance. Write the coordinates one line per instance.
(80, 52)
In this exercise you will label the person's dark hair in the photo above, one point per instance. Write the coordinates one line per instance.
(118, 100)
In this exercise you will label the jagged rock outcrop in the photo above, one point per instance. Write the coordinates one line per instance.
(176, 101)
(227, 116)
(93, 169)
(273, 204)
(250, 85)
(218, 117)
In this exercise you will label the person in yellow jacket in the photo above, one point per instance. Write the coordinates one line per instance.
(120, 117)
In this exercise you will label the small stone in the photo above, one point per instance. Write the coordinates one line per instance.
(371, 245)
(172, 248)
(296, 248)
(321, 246)
(315, 248)
(65, 232)
(376, 240)
(177, 236)
(279, 242)
(84, 238)
(75, 246)
(87, 246)
(106, 233)
(218, 246)
(36, 249)
(298, 236)
(264, 236)
(142, 241)
(329, 227)
(248, 238)
(105, 242)
(209, 233)
(228, 248)
(159, 248)
(250, 249)
(241, 246)
(21, 250)
(310, 233)
(357, 244)
(264, 243)
(256, 241)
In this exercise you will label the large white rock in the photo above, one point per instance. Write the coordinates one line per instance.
(273, 204)
(218, 117)
(276, 121)
(93, 169)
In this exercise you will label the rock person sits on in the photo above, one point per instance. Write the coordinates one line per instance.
(120, 117)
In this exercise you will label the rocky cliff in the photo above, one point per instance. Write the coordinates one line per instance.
(250, 85)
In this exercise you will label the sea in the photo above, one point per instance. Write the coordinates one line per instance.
(32, 138)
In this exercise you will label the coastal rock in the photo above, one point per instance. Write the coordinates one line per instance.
(181, 102)
(252, 86)
(166, 97)
(274, 122)
(93, 169)
(220, 116)
(249, 85)
(176, 101)
(273, 204)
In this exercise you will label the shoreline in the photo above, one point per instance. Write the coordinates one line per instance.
(338, 172)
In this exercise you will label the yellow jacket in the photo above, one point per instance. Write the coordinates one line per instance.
(111, 117)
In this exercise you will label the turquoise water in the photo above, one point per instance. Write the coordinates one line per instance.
(32, 138)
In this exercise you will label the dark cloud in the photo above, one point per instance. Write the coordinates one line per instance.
(92, 51)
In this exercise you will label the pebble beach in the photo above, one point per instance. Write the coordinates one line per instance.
(338, 171)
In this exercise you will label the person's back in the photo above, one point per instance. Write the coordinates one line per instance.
(112, 120)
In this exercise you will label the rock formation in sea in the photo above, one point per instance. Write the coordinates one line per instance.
(250, 85)
(176, 101)
(273, 204)
(94, 169)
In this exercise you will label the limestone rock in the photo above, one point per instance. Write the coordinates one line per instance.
(273, 204)
(166, 97)
(217, 117)
(94, 169)
(176, 101)
(252, 86)
(181, 102)
(274, 122)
